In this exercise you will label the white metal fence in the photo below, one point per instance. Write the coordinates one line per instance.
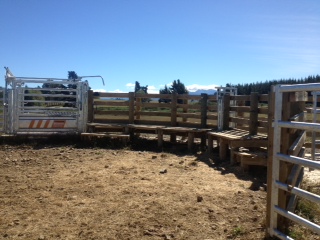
(279, 124)
(45, 106)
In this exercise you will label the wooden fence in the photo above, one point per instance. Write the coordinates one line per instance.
(153, 109)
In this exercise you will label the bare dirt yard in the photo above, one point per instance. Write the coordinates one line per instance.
(75, 192)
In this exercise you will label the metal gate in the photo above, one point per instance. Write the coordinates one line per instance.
(300, 161)
(221, 92)
(45, 106)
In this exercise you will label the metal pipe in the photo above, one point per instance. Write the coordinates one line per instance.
(300, 192)
(300, 125)
(298, 160)
(299, 87)
(294, 217)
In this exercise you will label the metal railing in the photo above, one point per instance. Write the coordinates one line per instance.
(277, 157)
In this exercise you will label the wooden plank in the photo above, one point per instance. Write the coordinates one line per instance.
(189, 106)
(239, 120)
(174, 110)
(298, 144)
(240, 109)
(264, 98)
(117, 121)
(110, 103)
(240, 97)
(112, 135)
(254, 160)
(252, 143)
(189, 115)
(204, 104)
(111, 112)
(149, 122)
(111, 95)
(131, 107)
(160, 114)
(212, 117)
(253, 124)
(226, 111)
(212, 108)
(263, 110)
(90, 106)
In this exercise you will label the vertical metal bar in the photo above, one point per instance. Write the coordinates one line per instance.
(275, 163)
(314, 119)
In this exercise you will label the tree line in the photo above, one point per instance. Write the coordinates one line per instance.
(264, 87)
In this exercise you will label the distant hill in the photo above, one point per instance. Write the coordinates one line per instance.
(199, 91)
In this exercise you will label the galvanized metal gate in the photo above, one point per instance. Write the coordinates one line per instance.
(44, 106)
(221, 92)
(279, 157)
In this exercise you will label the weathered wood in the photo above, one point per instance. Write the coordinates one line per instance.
(111, 135)
(131, 107)
(253, 125)
(110, 95)
(271, 108)
(252, 143)
(174, 109)
(190, 140)
(226, 111)
(297, 144)
(105, 103)
(90, 106)
(111, 112)
(204, 104)
(138, 108)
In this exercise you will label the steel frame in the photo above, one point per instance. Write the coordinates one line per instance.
(277, 157)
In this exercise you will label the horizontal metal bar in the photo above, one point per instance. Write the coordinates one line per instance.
(49, 95)
(298, 160)
(281, 235)
(299, 87)
(300, 192)
(294, 217)
(51, 89)
(41, 80)
(300, 125)
(54, 101)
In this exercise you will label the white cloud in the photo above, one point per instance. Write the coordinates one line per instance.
(130, 85)
(195, 87)
(99, 90)
(153, 89)
(117, 91)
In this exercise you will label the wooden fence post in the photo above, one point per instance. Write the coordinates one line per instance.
(226, 111)
(271, 109)
(131, 107)
(174, 99)
(204, 109)
(90, 106)
(253, 126)
(138, 107)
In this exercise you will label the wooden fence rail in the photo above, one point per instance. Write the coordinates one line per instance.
(153, 109)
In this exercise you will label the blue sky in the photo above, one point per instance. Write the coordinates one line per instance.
(203, 43)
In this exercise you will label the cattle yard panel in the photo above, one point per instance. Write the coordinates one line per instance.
(45, 106)
(287, 162)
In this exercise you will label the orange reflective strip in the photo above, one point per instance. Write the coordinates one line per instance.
(31, 124)
(46, 124)
(39, 124)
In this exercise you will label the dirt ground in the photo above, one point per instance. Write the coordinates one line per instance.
(75, 192)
